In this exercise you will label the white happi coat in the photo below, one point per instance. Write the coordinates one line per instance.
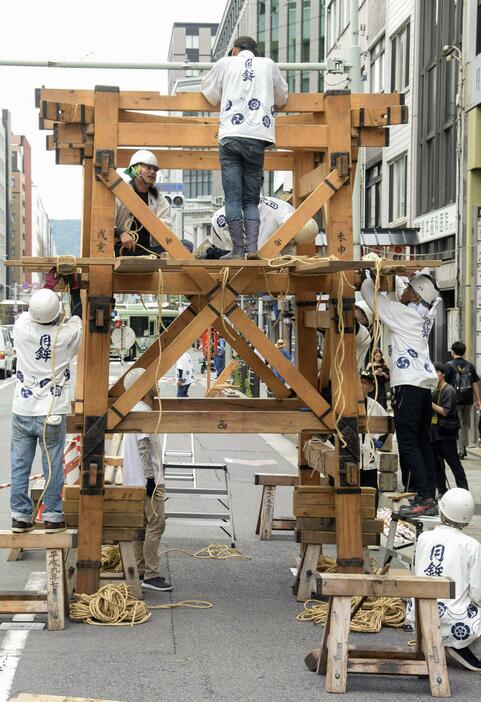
(248, 89)
(363, 343)
(448, 552)
(369, 454)
(408, 350)
(271, 210)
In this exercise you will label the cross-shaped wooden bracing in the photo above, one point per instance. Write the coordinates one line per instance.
(318, 136)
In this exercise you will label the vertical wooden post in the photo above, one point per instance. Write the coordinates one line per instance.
(97, 344)
(306, 338)
(340, 243)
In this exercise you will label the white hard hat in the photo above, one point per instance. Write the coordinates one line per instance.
(362, 304)
(44, 306)
(132, 376)
(143, 156)
(457, 505)
(425, 287)
(307, 233)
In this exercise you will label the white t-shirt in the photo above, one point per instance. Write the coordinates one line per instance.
(448, 552)
(35, 345)
(184, 363)
(408, 350)
(271, 211)
(133, 470)
(248, 89)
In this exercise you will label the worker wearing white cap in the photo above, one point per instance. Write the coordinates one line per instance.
(142, 169)
(363, 316)
(273, 213)
(413, 377)
(449, 553)
(143, 468)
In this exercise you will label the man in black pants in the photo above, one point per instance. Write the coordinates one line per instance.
(413, 378)
(444, 432)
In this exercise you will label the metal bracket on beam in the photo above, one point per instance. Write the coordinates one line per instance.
(350, 562)
(88, 564)
(104, 160)
(342, 161)
(100, 309)
(93, 456)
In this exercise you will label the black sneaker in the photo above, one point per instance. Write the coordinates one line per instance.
(411, 503)
(159, 584)
(465, 657)
(19, 527)
(426, 508)
(54, 527)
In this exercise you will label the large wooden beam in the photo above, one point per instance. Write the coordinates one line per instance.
(97, 347)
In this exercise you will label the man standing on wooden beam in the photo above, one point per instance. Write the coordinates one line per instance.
(413, 378)
(45, 346)
(131, 237)
(248, 88)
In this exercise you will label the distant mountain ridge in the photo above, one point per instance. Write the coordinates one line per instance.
(66, 236)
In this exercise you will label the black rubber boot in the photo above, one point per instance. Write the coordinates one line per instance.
(236, 231)
(252, 235)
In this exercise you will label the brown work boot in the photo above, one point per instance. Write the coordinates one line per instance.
(19, 527)
(54, 527)
(312, 659)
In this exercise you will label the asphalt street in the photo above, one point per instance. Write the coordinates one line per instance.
(248, 647)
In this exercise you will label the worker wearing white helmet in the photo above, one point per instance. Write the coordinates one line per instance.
(363, 316)
(407, 324)
(143, 468)
(41, 400)
(447, 552)
(131, 237)
(273, 213)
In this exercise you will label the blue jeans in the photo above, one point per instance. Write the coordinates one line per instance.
(26, 431)
(242, 170)
(183, 390)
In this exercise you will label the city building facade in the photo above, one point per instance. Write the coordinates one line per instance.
(5, 197)
(21, 240)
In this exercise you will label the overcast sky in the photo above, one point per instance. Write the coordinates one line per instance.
(90, 30)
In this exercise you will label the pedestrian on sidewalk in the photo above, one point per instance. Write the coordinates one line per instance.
(370, 442)
(461, 374)
(413, 378)
(444, 432)
(248, 88)
(282, 347)
(219, 356)
(380, 370)
(184, 369)
(446, 552)
(143, 468)
(45, 345)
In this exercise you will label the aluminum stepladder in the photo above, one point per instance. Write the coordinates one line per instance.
(175, 471)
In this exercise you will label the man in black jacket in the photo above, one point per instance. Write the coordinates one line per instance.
(461, 374)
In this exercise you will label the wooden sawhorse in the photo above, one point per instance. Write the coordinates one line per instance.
(266, 522)
(54, 600)
(337, 658)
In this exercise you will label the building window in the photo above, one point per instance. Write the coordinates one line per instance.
(305, 43)
(261, 27)
(373, 195)
(376, 66)
(398, 170)
(197, 183)
(275, 30)
(400, 60)
(191, 41)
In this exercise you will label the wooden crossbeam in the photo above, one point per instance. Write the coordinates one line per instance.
(311, 205)
(195, 102)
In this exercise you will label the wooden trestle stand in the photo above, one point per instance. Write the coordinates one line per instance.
(318, 138)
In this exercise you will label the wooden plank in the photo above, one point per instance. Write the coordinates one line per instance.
(310, 180)
(267, 512)
(386, 667)
(307, 570)
(396, 652)
(110, 507)
(129, 565)
(328, 511)
(337, 659)
(329, 537)
(196, 102)
(213, 422)
(115, 534)
(38, 539)
(22, 606)
(433, 647)
(23, 595)
(316, 319)
(97, 347)
(359, 585)
(278, 479)
(112, 493)
(308, 136)
(55, 590)
(110, 519)
(204, 159)
(371, 526)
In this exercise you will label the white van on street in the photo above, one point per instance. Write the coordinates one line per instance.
(7, 363)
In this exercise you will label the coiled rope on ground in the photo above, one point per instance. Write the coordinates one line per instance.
(375, 613)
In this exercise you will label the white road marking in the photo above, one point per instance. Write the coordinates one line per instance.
(14, 642)
(7, 384)
(247, 462)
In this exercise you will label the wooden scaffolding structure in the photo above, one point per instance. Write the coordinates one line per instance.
(318, 137)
